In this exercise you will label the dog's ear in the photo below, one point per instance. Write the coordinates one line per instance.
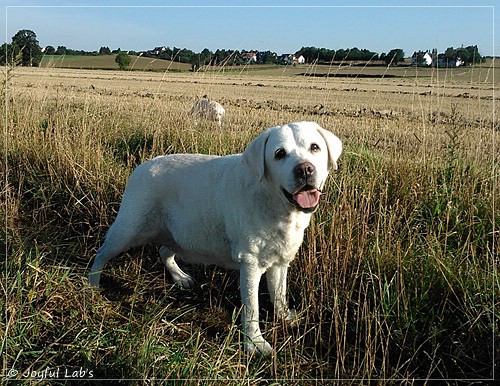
(254, 155)
(334, 147)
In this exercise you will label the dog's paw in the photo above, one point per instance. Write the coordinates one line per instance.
(291, 318)
(258, 347)
(182, 279)
(93, 280)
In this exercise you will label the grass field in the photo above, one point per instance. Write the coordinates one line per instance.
(396, 281)
(478, 74)
(107, 62)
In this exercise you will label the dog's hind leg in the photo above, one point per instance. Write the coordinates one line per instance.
(114, 244)
(122, 235)
(180, 277)
(103, 256)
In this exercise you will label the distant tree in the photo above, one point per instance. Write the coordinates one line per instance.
(123, 60)
(325, 55)
(9, 55)
(450, 54)
(463, 54)
(369, 55)
(49, 50)
(166, 54)
(227, 58)
(474, 55)
(205, 56)
(104, 51)
(266, 57)
(434, 55)
(183, 55)
(309, 53)
(394, 56)
(341, 54)
(197, 60)
(354, 54)
(61, 50)
(469, 55)
(27, 43)
(321, 55)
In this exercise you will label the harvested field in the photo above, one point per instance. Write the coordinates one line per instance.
(397, 272)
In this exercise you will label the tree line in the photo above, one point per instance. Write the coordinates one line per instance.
(451, 57)
(209, 58)
(325, 55)
(469, 54)
(25, 50)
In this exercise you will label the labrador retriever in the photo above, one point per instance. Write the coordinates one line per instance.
(244, 211)
(208, 109)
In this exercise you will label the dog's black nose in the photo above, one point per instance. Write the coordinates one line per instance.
(304, 170)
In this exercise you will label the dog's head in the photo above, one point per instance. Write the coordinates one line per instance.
(294, 161)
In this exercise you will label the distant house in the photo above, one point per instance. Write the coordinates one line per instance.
(421, 58)
(291, 59)
(285, 59)
(157, 51)
(300, 60)
(249, 56)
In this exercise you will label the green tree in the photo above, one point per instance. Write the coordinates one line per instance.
(266, 57)
(205, 56)
(104, 51)
(123, 60)
(469, 55)
(474, 55)
(27, 43)
(394, 56)
(464, 54)
(450, 54)
(61, 50)
(49, 50)
(434, 56)
(9, 55)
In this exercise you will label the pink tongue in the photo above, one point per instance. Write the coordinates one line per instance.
(307, 199)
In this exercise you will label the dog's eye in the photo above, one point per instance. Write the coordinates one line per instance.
(280, 154)
(315, 148)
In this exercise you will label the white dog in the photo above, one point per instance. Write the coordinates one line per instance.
(208, 109)
(245, 211)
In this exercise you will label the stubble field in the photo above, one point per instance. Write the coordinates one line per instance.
(395, 280)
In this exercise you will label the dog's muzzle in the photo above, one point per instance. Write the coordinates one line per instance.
(306, 199)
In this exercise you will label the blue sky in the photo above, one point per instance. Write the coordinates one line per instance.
(279, 26)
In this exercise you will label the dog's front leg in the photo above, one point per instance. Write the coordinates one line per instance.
(250, 275)
(276, 285)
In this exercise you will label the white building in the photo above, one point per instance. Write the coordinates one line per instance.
(420, 58)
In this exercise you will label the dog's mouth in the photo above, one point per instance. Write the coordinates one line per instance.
(306, 199)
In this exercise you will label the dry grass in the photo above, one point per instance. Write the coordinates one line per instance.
(395, 280)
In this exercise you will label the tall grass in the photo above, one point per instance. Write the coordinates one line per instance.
(395, 280)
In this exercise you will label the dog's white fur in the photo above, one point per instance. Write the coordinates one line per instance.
(208, 109)
(245, 211)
